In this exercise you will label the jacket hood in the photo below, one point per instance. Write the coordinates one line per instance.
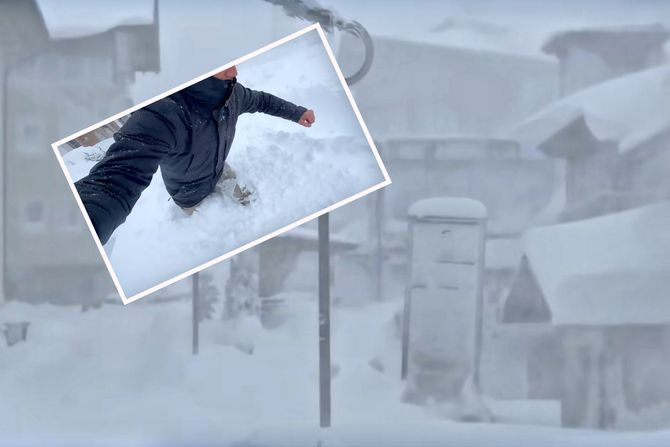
(210, 91)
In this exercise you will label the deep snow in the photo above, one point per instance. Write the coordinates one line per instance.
(294, 171)
(125, 375)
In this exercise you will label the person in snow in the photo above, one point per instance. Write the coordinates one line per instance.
(189, 135)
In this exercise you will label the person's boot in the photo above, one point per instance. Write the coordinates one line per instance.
(242, 195)
(229, 186)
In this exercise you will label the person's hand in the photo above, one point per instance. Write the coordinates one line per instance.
(307, 118)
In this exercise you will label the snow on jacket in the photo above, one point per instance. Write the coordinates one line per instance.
(188, 134)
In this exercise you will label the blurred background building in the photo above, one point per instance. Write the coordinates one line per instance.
(53, 87)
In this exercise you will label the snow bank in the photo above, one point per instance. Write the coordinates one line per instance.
(448, 207)
(125, 376)
(294, 172)
(627, 110)
(607, 270)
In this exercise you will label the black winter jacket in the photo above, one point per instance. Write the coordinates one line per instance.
(188, 134)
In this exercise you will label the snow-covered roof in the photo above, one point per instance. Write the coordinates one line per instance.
(78, 18)
(448, 207)
(629, 110)
(608, 270)
(559, 40)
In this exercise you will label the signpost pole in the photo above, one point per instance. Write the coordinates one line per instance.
(324, 321)
(196, 316)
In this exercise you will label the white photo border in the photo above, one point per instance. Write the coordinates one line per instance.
(387, 181)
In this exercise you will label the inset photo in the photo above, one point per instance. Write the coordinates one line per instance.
(222, 163)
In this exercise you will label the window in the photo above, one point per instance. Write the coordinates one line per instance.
(30, 137)
(34, 216)
(67, 217)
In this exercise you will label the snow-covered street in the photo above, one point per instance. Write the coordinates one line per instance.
(125, 375)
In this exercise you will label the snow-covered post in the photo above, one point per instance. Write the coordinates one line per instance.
(442, 324)
(196, 316)
(324, 321)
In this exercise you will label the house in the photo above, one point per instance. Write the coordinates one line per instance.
(614, 139)
(490, 170)
(594, 55)
(449, 90)
(601, 288)
(586, 309)
(22, 32)
(56, 91)
(467, 166)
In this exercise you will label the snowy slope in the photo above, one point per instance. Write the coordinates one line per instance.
(295, 172)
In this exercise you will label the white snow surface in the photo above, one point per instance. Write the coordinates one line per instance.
(125, 376)
(294, 172)
(628, 110)
(446, 207)
(607, 270)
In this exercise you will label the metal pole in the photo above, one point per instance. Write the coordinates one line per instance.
(196, 316)
(324, 321)
(3, 170)
(404, 356)
(479, 309)
(379, 249)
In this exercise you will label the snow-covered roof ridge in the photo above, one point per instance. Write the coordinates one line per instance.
(628, 110)
(578, 264)
(560, 38)
(448, 207)
(468, 43)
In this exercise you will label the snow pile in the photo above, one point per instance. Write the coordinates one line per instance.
(119, 375)
(607, 270)
(294, 172)
(627, 110)
(125, 376)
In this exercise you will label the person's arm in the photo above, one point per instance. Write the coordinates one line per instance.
(258, 101)
(114, 185)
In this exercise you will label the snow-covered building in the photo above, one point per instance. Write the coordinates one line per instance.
(594, 55)
(74, 80)
(421, 88)
(475, 167)
(602, 284)
(614, 139)
(486, 169)
(586, 309)
(22, 32)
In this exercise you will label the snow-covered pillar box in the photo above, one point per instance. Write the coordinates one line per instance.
(442, 317)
